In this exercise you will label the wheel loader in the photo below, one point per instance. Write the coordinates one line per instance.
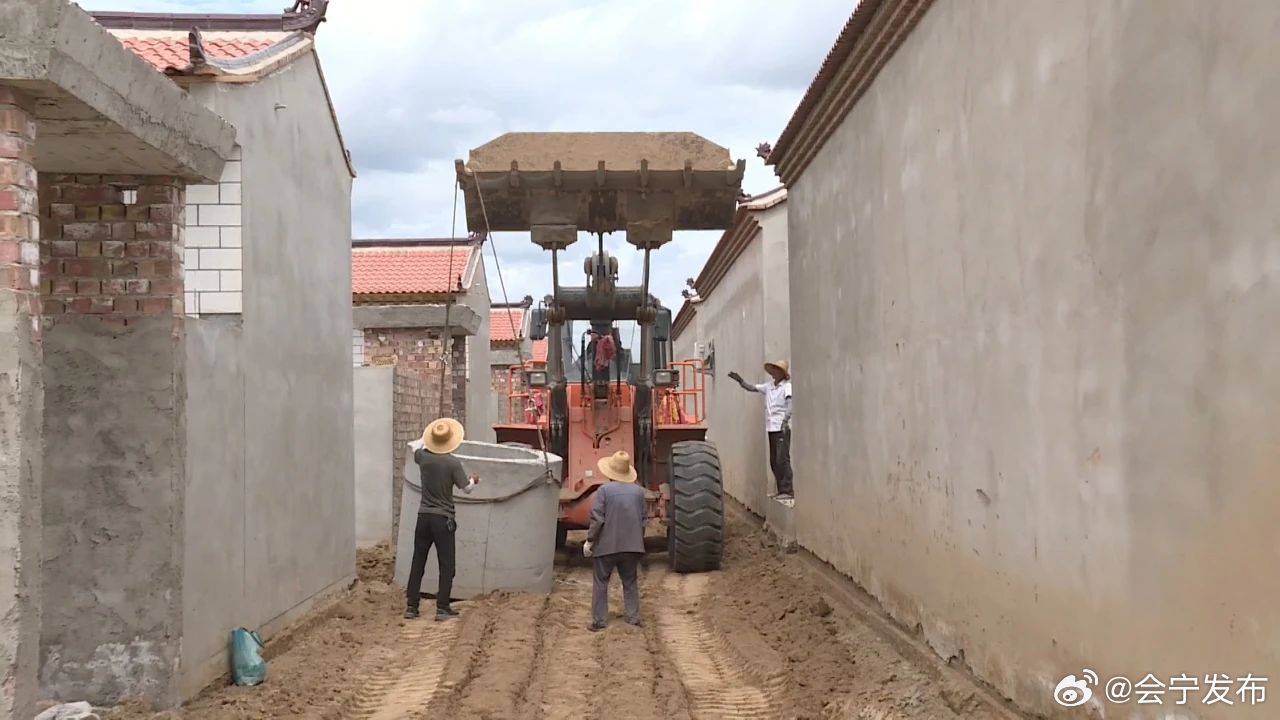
(594, 400)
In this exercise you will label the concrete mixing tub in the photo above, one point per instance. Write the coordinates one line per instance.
(503, 544)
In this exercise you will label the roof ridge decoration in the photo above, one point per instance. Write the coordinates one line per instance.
(205, 63)
(302, 16)
(306, 15)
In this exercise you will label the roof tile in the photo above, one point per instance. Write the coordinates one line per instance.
(173, 52)
(421, 270)
(506, 324)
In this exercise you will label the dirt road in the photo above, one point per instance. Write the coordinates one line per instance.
(758, 640)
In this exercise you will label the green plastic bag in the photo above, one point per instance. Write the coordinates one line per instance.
(247, 665)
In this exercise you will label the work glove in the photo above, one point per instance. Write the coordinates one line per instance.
(586, 549)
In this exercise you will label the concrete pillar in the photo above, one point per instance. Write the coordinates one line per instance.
(115, 437)
(20, 409)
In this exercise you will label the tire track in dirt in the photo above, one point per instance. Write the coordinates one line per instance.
(715, 682)
(626, 663)
(670, 699)
(400, 689)
(566, 667)
(469, 651)
(501, 667)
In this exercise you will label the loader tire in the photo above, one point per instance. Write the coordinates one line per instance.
(695, 518)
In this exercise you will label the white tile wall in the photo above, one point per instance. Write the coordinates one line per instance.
(213, 258)
(357, 347)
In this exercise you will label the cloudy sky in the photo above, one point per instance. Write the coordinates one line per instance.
(417, 83)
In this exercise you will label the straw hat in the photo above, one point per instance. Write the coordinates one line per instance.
(781, 365)
(618, 467)
(442, 436)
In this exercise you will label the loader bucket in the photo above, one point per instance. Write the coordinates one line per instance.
(557, 184)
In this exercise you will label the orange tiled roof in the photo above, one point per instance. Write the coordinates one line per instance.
(173, 52)
(413, 270)
(539, 351)
(506, 324)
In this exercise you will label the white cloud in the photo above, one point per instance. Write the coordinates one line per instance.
(418, 83)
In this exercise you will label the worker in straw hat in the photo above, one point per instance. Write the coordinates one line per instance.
(777, 403)
(441, 472)
(615, 538)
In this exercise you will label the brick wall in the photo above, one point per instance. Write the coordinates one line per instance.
(19, 227)
(418, 355)
(111, 245)
(458, 371)
(213, 244)
(500, 386)
(409, 419)
(423, 351)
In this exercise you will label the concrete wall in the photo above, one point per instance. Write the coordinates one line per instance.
(21, 430)
(297, 509)
(1035, 403)
(480, 411)
(374, 476)
(776, 282)
(729, 317)
(683, 346)
(113, 512)
(214, 592)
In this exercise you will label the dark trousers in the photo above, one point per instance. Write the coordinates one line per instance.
(431, 530)
(628, 566)
(780, 460)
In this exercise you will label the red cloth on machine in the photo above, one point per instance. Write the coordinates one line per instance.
(605, 350)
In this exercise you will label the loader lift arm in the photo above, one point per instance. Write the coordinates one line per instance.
(556, 185)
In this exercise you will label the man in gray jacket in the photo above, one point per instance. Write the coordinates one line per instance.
(615, 539)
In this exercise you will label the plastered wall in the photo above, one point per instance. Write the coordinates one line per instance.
(746, 319)
(1032, 275)
(291, 520)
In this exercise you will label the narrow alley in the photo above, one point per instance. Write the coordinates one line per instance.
(907, 358)
(706, 650)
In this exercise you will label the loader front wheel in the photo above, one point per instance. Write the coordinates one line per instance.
(695, 529)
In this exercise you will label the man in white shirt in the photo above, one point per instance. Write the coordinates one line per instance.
(777, 399)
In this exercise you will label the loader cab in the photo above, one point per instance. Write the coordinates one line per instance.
(625, 365)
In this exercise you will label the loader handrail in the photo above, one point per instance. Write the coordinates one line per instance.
(519, 410)
(691, 392)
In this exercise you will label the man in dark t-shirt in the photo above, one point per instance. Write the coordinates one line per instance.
(441, 472)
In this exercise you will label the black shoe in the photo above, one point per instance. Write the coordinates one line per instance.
(595, 628)
(411, 613)
(442, 615)
(635, 623)
(448, 611)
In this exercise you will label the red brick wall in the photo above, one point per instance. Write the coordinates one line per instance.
(459, 380)
(423, 351)
(409, 419)
(418, 355)
(102, 257)
(500, 386)
(19, 229)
